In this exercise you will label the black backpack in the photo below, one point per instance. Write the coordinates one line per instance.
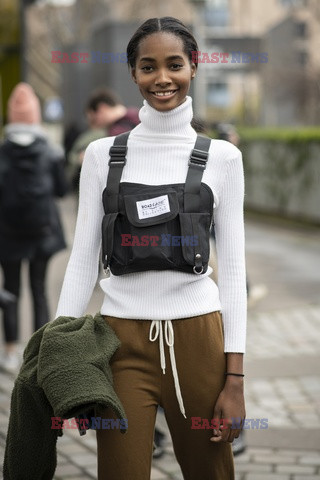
(26, 197)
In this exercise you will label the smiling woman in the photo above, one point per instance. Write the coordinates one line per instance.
(163, 71)
(163, 184)
(160, 62)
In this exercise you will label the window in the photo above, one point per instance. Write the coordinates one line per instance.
(216, 13)
(218, 95)
(302, 58)
(300, 29)
(292, 3)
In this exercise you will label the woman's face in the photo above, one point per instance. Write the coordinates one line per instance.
(163, 71)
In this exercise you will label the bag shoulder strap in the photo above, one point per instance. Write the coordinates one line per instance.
(197, 165)
(117, 161)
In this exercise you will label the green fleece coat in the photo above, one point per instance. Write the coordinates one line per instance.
(65, 373)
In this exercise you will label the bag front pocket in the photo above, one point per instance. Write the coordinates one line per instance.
(108, 223)
(152, 218)
(195, 240)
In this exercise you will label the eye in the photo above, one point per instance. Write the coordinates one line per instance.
(147, 68)
(176, 66)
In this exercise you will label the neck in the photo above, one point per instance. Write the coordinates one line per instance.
(172, 122)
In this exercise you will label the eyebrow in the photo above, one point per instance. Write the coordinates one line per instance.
(150, 59)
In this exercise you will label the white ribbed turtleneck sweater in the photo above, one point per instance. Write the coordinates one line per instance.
(158, 153)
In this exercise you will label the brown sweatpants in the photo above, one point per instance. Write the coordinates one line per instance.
(141, 387)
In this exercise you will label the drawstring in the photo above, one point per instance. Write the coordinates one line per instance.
(169, 337)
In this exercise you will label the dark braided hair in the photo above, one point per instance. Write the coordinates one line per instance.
(164, 24)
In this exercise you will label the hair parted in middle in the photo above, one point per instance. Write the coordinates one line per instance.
(156, 25)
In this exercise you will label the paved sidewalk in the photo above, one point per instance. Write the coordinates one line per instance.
(288, 397)
(282, 365)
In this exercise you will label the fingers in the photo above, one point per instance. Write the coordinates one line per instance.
(234, 433)
(217, 437)
(235, 429)
(215, 422)
(224, 430)
(220, 428)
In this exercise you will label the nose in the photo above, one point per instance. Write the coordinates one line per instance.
(163, 77)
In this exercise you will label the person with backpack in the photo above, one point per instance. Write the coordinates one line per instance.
(31, 176)
(152, 195)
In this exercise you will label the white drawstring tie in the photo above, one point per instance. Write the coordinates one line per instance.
(169, 337)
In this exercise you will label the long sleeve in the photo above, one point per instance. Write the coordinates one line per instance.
(82, 270)
(229, 230)
(30, 452)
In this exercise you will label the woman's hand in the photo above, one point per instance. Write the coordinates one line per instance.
(230, 405)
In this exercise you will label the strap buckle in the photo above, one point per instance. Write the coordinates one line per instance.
(198, 158)
(106, 267)
(198, 267)
(118, 155)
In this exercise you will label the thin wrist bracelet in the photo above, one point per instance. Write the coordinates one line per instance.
(235, 374)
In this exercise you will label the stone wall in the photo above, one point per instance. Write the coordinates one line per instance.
(283, 178)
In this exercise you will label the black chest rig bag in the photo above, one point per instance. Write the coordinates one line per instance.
(156, 227)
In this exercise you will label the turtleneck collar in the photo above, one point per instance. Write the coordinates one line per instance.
(172, 122)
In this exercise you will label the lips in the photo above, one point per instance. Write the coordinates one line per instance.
(166, 93)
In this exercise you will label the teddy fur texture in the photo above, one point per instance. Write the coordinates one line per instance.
(65, 373)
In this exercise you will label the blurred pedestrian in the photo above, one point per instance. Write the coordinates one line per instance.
(31, 176)
(182, 335)
(6, 298)
(106, 115)
(228, 132)
(8, 360)
(70, 134)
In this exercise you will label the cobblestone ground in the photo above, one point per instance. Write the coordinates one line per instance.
(282, 372)
(291, 401)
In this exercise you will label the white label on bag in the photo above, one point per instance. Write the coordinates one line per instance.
(153, 207)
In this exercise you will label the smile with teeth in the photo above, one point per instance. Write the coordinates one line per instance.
(164, 94)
